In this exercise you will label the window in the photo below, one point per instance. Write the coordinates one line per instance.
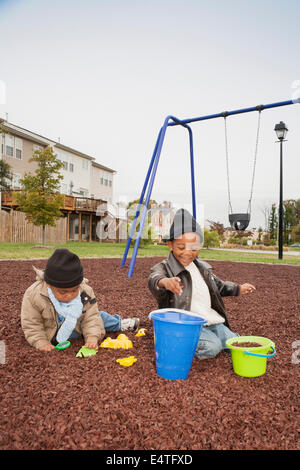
(38, 147)
(13, 146)
(71, 167)
(9, 140)
(106, 178)
(65, 167)
(18, 148)
(16, 181)
(64, 188)
(85, 164)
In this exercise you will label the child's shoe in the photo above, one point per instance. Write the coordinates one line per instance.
(131, 324)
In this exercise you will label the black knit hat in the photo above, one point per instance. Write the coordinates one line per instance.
(63, 269)
(184, 222)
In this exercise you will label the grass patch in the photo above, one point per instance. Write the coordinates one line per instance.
(116, 250)
(82, 249)
(248, 257)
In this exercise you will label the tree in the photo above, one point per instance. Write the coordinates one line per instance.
(238, 235)
(266, 212)
(147, 228)
(5, 176)
(260, 231)
(5, 169)
(295, 234)
(218, 227)
(39, 197)
(289, 219)
(211, 239)
(297, 210)
(273, 222)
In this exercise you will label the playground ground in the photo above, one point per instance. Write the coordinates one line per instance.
(57, 401)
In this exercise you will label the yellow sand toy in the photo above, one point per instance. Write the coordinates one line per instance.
(127, 361)
(141, 332)
(121, 342)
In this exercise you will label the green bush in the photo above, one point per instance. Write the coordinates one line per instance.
(211, 239)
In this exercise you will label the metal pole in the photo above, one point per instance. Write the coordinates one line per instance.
(140, 202)
(153, 169)
(280, 207)
(260, 107)
(177, 121)
(148, 195)
(192, 172)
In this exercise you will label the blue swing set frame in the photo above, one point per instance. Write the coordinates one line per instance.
(150, 176)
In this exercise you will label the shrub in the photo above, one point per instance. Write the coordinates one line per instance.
(211, 239)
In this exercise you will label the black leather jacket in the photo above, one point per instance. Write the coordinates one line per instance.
(170, 267)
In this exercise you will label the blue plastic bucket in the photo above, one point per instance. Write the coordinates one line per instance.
(176, 335)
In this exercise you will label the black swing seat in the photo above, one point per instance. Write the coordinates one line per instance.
(239, 221)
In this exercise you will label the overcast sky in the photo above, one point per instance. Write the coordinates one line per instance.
(103, 75)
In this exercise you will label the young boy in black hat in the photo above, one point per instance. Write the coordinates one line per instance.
(61, 305)
(184, 282)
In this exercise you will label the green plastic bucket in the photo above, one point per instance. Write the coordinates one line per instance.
(250, 361)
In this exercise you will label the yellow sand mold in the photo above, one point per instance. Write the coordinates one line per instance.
(126, 361)
(121, 342)
(141, 332)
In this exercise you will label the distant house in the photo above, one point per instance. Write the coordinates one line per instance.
(86, 184)
(82, 175)
(102, 182)
(161, 218)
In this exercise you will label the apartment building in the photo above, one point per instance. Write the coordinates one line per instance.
(102, 182)
(17, 147)
(87, 185)
(82, 175)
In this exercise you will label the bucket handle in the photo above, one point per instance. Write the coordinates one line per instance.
(260, 355)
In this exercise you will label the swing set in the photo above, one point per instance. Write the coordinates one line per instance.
(238, 221)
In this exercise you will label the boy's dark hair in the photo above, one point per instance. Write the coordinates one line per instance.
(63, 269)
(183, 222)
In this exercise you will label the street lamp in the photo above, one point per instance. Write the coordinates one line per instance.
(281, 131)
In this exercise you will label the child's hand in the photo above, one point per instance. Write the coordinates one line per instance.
(46, 347)
(91, 345)
(173, 284)
(247, 288)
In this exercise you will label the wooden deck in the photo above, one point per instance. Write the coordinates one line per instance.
(70, 203)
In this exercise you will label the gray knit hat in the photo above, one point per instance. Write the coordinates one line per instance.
(183, 222)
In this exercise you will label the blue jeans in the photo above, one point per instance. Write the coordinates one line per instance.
(111, 323)
(212, 340)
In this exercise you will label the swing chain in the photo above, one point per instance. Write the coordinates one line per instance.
(255, 157)
(259, 109)
(227, 162)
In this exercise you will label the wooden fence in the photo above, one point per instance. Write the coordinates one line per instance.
(15, 228)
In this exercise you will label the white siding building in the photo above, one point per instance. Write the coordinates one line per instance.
(82, 175)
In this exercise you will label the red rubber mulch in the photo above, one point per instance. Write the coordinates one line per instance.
(57, 401)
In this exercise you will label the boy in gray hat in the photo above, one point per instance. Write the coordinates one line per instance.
(184, 282)
(61, 305)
